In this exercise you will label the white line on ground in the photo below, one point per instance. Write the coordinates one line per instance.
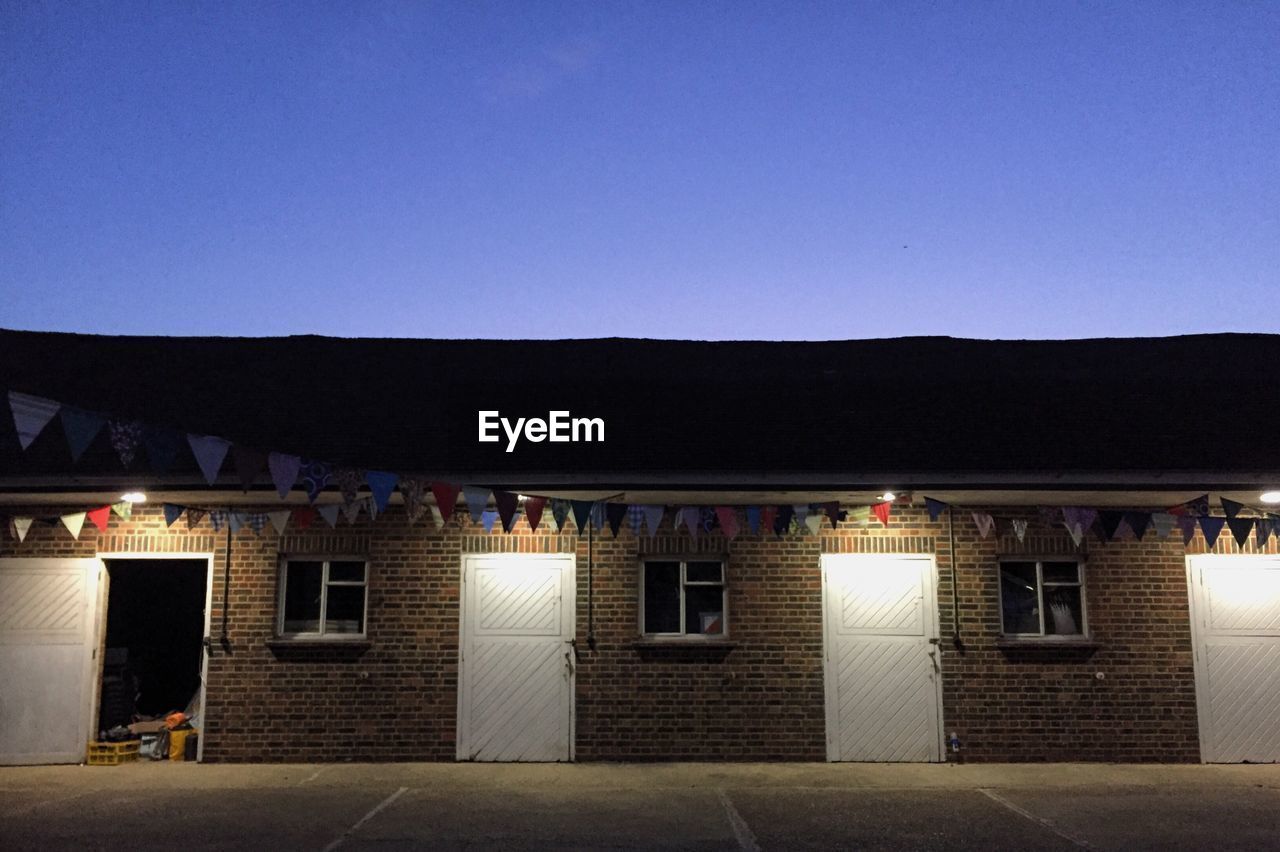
(342, 838)
(1022, 812)
(741, 831)
(313, 776)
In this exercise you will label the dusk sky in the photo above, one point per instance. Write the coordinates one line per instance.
(681, 169)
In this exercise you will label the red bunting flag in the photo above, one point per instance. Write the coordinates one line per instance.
(882, 511)
(303, 517)
(446, 496)
(99, 517)
(533, 510)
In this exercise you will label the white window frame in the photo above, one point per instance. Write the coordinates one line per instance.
(1040, 590)
(325, 583)
(723, 583)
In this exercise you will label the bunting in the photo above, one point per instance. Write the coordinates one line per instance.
(728, 518)
(1230, 507)
(753, 520)
(436, 517)
(582, 514)
(1187, 524)
(1241, 529)
(413, 491)
(249, 465)
(382, 485)
(329, 512)
(615, 513)
(194, 517)
(985, 523)
(30, 415)
(882, 511)
(123, 509)
(99, 517)
(1020, 529)
(813, 523)
(559, 512)
(209, 452)
(80, 428)
(172, 512)
(349, 481)
(446, 495)
(507, 503)
(315, 477)
(533, 511)
(1211, 527)
(488, 517)
(284, 470)
(20, 528)
(935, 508)
(476, 498)
(653, 518)
(73, 521)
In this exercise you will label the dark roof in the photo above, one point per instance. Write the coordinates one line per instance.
(928, 405)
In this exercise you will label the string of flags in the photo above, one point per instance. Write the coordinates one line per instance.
(1113, 524)
(132, 439)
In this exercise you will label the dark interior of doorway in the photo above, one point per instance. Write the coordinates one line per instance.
(155, 627)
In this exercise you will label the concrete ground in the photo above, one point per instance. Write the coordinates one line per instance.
(649, 806)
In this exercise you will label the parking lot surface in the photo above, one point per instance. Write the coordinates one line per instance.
(639, 806)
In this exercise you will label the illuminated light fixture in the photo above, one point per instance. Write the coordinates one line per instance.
(522, 497)
(888, 496)
(134, 497)
(1270, 497)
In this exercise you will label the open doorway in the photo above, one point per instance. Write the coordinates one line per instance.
(153, 643)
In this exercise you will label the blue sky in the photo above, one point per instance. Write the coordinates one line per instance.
(705, 170)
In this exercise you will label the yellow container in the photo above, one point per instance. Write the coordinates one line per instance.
(178, 743)
(112, 754)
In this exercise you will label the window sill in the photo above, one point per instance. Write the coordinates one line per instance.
(684, 644)
(291, 643)
(1041, 643)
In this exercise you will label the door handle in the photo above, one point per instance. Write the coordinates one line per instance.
(568, 662)
(933, 658)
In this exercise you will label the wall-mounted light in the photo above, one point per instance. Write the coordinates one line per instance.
(1270, 497)
(133, 497)
(888, 496)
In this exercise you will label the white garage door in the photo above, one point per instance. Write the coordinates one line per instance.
(516, 678)
(882, 674)
(1235, 618)
(48, 636)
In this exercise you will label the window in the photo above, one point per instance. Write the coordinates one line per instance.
(323, 597)
(683, 599)
(1042, 598)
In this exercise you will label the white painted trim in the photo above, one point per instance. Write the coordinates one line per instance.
(208, 624)
(831, 710)
(1195, 608)
(569, 606)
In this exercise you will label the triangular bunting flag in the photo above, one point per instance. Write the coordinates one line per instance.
(436, 517)
(768, 517)
(1241, 529)
(126, 437)
(284, 470)
(488, 517)
(329, 511)
(582, 513)
(1110, 522)
(985, 523)
(801, 512)
(507, 503)
(349, 480)
(860, 515)
(218, 517)
(446, 496)
(249, 465)
(653, 518)
(1187, 524)
(1230, 507)
(303, 518)
(80, 427)
(882, 511)
(172, 512)
(560, 509)
(99, 517)
(382, 485)
(728, 518)
(615, 513)
(533, 511)
(1212, 528)
(21, 526)
(1264, 527)
(194, 517)
(351, 510)
(315, 476)
(935, 507)
(813, 523)
(635, 517)
(124, 508)
(1139, 523)
(162, 446)
(476, 497)
(1162, 523)
(412, 491)
(782, 519)
(238, 520)
(753, 520)
(1020, 528)
(832, 508)
(209, 452)
(73, 522)
(1077, 520)
(257, 522)
(691, 516)
(30, 415)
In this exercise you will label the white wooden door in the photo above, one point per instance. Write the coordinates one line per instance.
(48, 645)
(1235, 627)
(883, 679)
(516, 673)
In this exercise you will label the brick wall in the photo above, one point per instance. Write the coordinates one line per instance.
(760, 699)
